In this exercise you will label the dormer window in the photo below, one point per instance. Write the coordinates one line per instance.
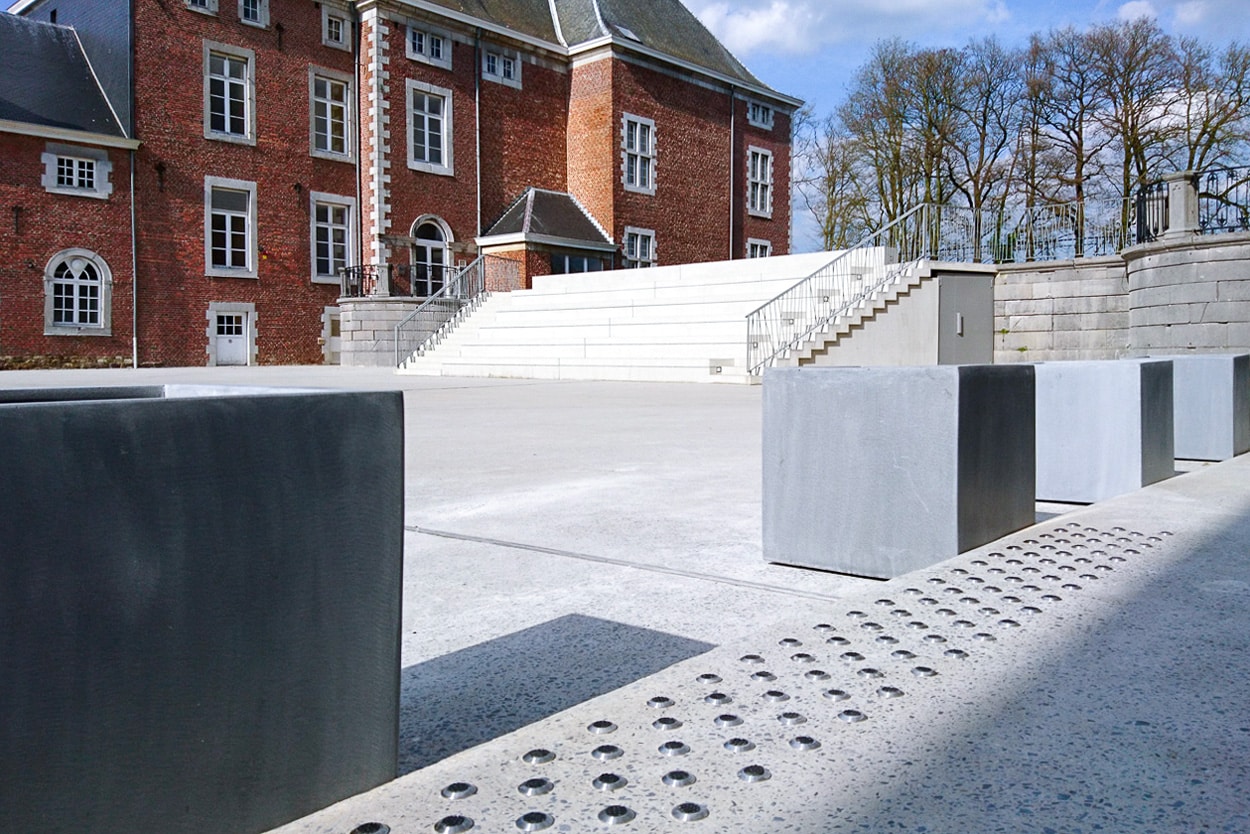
(502, 66)
(429, 46)
(760, 115)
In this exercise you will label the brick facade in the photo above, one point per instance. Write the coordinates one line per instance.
(556, 126)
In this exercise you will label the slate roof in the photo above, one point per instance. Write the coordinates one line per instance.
(666, 26)
(549, 214)
(47, 80)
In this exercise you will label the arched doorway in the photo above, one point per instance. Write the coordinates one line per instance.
(430, 255)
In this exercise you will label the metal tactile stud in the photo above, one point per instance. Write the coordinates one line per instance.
(913, 592)
(887, 639)
(900, 612)
(1009, 623)
(678, 779)
(609, 782)
(934, 638)
(984, 637)
(754, 773)
(1051, 597)
(870, 672)
(751, 658)
(727, 720)
(988, 611)
(601, 726)
(458, 790)
(674, 748)
(806, 742)
(850, 716)
(1012, 599)
(856, 615)
(606, 752)
(836, 694)
(885, 603)
(902, 654)
(964, 624)
(763, 676)
(823, 628)
(616, 815)
(668, 722)
(371, 828)
(818, 674)
(708, 677)
(453, 824)
(538, 755)
(851, 657)
(890, 692)
(739, 745)
(916, 624)
(789, 719)
(660, 702)
(958, 654)
(803, 657)
(837, 640)
(1031, 609)
(927, 601)
(924, 671)
(776, 695)
(690, 811)
(535, 821)
(789, 642)
(871, 626)
(536, 786)
(717, 699)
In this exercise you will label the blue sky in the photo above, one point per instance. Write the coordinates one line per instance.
(811, 48)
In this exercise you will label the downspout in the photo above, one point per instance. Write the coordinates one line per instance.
(134, 218)
(477, 122)
(358, 220)
(733, 146)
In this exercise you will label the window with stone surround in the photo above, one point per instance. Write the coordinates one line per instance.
(78, 295)
(429, 46)
(229, 93)
(639, 247)
(429, 128)
(759, 248)
(330, 95)
(332, 237)
(77, 171)
(759, 182)
(254, 12)
(230, 248)
(638, 154)
(503, 66)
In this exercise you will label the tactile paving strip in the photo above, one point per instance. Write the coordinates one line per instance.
(735, 738)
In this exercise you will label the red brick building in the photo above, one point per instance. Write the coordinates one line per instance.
(276, 143)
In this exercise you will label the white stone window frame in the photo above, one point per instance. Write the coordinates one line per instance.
(760, 183)
(443, 60)
(634, 261)
(248, 137)
(495, 61)
(203, 7)
(54, 152)
(349, 125)
(649, 157)
(262, 9)
(315, 199)
(253, 247)
(105, 327)
(215, 307)
(759, 248)
(447, 167)
(760, 115)
(330, 13)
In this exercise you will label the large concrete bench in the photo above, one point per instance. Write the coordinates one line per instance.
(199, 605)
(881, 471)
(1211, 405)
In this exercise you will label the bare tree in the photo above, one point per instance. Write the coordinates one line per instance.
(829, 180)
(1213, 105)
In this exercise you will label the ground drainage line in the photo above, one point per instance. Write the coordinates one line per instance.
(606, 560)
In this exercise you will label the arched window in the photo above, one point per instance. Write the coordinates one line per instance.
(429, 256)
(78, 291)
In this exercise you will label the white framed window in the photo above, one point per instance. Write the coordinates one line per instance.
(429, 128)
(230, 247)
(759, 115)
(229, 93)
(330, 114)
(254, 12)
(638, 154)
(502, 66)
(335, 28)
(78, 295)
(332, 235)
(564, 264)
(202, 6)
(759, 248)
(82, 172)
(639, 247)
(429, 46)
(759, 182)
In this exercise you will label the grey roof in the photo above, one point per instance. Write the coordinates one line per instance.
(551, 214)
(666, 26)
(47, 80)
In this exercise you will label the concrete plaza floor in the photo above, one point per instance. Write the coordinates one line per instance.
(576, 550)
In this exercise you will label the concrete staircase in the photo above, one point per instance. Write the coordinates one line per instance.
(679, 323)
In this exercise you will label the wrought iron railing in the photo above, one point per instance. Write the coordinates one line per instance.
(460, 293)
(413, 280)
(1223, 200)
(1151, 210)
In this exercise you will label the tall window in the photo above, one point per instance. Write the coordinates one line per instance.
(429, 132)
(639, 247)
(255, 12)
(760, 183)
(230, 240)
(429, 47)
(78, 293)
(229, 94)
(331, 236)
(331, 114)
(638, 154)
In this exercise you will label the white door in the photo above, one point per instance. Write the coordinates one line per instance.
(231, 339)
(335, 347)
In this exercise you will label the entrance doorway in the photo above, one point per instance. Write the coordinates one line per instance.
(231, 333)
(429, 258)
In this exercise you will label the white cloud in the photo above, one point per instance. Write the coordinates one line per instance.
(1193, 13)
(1137, 8)
(805, 26)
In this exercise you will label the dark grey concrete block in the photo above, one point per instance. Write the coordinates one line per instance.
(881, 471)
(1103, 428)
(199, 606)
(1211, 405)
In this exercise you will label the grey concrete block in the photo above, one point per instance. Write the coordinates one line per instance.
(1103, 428)
(880, 471)
(199, 605)
(1211, 405)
